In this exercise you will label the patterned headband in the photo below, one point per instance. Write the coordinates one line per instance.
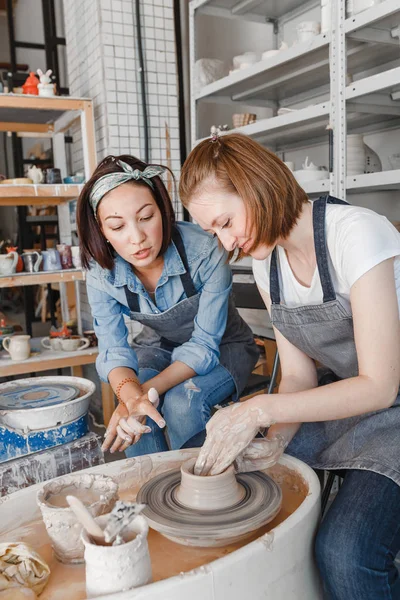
(112, 180)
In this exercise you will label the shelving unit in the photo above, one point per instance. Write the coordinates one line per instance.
(38, 195)
(21, 279)
(310, 79)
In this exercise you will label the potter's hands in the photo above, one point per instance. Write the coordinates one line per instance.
(229, 433)
(260, 454)
(127, 423)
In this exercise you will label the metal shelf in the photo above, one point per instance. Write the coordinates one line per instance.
(376, 23)
(300, 127)
(22, 279)
(287, 74)
(316, 188)
(372, 182)
(256, 10)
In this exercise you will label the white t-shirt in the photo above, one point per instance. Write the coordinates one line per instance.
(357, 239)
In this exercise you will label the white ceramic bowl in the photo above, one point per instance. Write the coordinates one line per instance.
(305, 175)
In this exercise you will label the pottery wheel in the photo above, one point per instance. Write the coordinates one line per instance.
(261, 503)
(37, 395)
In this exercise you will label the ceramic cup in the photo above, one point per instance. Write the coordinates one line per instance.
(76, 257)
(51, 344)
(213, 492)
(75, 342)
(65, 255)
(51, 260)
(53, 176)
(18, 346)
(8, 263)
(127, 565)
(32, 261)
(98, 492)
(90, 334)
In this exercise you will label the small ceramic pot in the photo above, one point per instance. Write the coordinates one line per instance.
(111, 569)
(213, 492)
(31, 263)
(8, 263)
(98, 492)
(18, 346)
(51, 344)
(306, 30)
(65, 255)
(75, 342)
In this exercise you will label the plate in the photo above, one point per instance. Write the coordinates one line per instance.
(37, 396)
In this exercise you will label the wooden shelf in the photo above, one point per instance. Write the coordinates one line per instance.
(21, 279)
(45, 360)
(38, 195)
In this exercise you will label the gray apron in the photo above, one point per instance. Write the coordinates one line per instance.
(325, 333)
(162, 332)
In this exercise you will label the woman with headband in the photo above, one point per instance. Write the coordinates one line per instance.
(194, 350)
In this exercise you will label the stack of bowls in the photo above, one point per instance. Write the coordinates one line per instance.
(355, 154)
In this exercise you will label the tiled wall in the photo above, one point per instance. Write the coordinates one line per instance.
(103, 64)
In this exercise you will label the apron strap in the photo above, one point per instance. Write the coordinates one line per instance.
(319, 224)
(319, 211)
(186, 279)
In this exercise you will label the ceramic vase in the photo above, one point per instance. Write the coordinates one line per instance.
(212, 492)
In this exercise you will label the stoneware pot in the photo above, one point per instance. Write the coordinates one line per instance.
(98, 492)
(112, 569)
(18, 346)
(212, 492)
(51, 344)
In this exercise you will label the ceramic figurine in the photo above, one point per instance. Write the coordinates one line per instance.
(31, 85)
(45, 87)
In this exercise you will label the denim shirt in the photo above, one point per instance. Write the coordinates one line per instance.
(212, 278)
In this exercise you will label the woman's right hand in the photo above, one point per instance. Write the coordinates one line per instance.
(125, 426)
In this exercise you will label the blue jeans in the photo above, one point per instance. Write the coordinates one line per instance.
(185, 410)
(359, 538)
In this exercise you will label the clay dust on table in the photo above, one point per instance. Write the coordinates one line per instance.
(67, 582)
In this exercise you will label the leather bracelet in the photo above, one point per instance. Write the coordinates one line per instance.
(121, 384)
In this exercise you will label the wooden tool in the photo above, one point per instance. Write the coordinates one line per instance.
(86, 519)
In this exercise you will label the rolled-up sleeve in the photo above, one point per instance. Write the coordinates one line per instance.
(201, 352)
(111, 331)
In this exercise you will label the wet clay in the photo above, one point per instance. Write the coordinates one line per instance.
(67, 582)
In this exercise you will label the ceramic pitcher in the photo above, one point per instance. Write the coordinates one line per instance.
(32, 265)
(18, 346)
(51, 260)
(8, 263)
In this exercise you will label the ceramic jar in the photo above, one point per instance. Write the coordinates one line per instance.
(18, 346)
(51, 260)
(213, 492)
(112, 569)
(307, 30)
(65, 255)
(98, 492)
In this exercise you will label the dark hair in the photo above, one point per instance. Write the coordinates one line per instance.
(92, 242)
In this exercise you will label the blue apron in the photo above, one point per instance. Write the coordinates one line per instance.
(162, 332)
(325, 333)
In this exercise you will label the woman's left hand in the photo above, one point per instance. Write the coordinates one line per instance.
(229, 432)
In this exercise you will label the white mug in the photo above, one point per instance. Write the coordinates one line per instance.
(76, 257)
(18, 346)
(74, 343)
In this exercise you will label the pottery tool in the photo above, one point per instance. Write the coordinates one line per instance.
(87, 521)
(120, 517)
(261, 502)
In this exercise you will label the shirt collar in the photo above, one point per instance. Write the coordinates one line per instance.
(121, 274)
